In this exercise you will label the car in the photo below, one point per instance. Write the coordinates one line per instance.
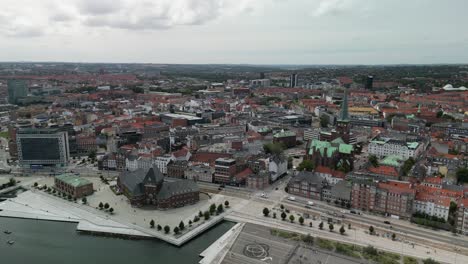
(310, 203)
(292, 198)
(263, 195)
(387, 222)
(343, 211)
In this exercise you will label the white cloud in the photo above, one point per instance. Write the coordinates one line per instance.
(33, 17)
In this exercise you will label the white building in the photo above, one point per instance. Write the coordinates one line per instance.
(386, 147)
(162, 161)
(277, 167)
(432, 205)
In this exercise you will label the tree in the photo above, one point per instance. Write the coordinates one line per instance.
(206, 215)
(212, 208)
(84, 200)
(36, 184)
(282, 207)
(407, 165)
(111, 210)
(54, 191)
(371, 230)
(440, 113)
(196, 219)
(324, 121)
(200, 214)
(274, 215)
(273, 148)
(181, 225)
(167, 229)
(291, 218)
(12, 182)
(152, 223)
(349, 226)
(226, 204)
(462, 175)
(370, 250)
(310, 224)
(342, 230)
(306, 165)
(373, 160)
(453, 207)
(301, 220)
(308, 239)
(321, 225)
(393, 236)
(69, 196)
(159, 227)
(92, 155)
(190, 222)
(220, 209)
(430, 261)
(106, 206)
(266, 212)
(101, 205)
(283, 216)
(330, 226)
(176, 230)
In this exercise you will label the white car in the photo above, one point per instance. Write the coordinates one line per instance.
(292, 198)
(310, 203)
(263, 195)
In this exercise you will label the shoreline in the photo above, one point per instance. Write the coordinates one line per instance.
(92, 222)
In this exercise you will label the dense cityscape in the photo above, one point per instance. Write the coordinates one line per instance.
(333, 156)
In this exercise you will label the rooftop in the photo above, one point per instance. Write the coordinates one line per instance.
(73, 180)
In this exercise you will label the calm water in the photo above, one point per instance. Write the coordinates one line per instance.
(43, 242)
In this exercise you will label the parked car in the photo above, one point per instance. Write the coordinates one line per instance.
(292, 198)
(387, 222)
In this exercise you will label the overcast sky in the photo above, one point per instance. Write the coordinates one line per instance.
(235, 31)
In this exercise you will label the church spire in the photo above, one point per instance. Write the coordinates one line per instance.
(344, 116)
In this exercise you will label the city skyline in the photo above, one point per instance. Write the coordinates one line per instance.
(294, 32)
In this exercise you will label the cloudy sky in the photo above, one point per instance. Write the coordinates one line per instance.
(235, 31)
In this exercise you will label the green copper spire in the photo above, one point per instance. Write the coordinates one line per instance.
(344, 116)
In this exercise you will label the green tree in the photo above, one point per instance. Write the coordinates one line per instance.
(181, 225)
(274, 215)
(308, 239)
(306, 165)
(167, 229)
(342, 230)
(301, 220)
(12, 182)
(176, 230)
(92, 155)
(440, 114)
(190, 222)
(101, 205)
(407, 165)
(330, 226)
(321, 225)
(283, 216)
(273, 148)
(430, 261)
(226, 204)
(152, 223)
(111, 210)
(453, 207)
(373, 160)
(393, 236)
(349, 226)
(266, 212)
(371, 230)
(281, 207)
(69, 196)
(196, 219)
(159, 227)
(206, 215)
(200, 214)
(212, 208)
(84, 200)
(462, 175)
(220, 209)
(106, 206)
(291, 218)
(324, 120)
(36, 184)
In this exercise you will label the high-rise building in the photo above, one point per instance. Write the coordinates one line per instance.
(369, 82)
(262, 75)
(42, 147)
(293, 80)
(17, 89)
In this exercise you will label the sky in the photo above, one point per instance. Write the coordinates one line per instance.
(235, 31)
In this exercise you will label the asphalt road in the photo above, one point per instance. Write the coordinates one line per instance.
(362, 219)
